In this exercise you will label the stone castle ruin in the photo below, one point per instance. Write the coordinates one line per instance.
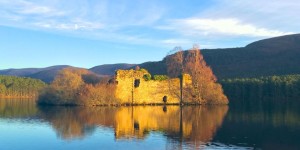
(133, 88)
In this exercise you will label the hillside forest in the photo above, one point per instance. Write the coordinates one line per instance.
(20, 87)
(252, 91)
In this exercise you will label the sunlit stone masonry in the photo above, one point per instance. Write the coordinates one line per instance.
(133, 87)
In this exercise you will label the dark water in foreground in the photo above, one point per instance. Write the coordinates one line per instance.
(23, 125)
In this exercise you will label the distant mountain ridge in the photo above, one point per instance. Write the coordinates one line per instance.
(273, 56)
(46, 74)
(109, 69)
(27, 71)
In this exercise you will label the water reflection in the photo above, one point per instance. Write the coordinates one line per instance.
(197, 123)
(263, 126)
(17, 108)
(72, 122)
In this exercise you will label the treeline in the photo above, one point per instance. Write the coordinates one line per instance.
(74, 86)
(252, 90)
(19, 87)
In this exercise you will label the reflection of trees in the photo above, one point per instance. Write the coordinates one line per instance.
(199, 125)
(203, 121)
(17, 108)
(72, 122)
(196, 124)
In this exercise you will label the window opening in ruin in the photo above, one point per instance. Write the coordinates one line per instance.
(165, 99)
(136, 83)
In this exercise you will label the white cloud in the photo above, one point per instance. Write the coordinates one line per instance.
(64, 15)
(281, 15)
(184, 43)
(135, 21)
(175, 41)
(23, 7)
(77, 24)
(34, 9)
(226, 26)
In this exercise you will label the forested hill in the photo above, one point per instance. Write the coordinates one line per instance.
(274, 56)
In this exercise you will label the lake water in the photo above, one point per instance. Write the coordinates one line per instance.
(23, 125)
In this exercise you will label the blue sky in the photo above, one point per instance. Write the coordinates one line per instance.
(86, 33)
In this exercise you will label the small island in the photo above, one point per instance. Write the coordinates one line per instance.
(189, 81)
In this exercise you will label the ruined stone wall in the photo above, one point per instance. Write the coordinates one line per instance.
(147, 92)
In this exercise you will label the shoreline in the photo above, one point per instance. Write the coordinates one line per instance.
(129, 104)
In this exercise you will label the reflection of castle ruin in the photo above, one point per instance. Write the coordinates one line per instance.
(195, 124)
(133, 88)
(198, 124)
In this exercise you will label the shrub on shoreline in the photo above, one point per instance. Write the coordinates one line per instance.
(74, 86)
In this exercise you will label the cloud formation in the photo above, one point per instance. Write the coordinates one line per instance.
(156, 22)
(71, 25)
(23, 7)
(217, 27)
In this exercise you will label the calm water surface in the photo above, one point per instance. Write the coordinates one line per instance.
(23, 125)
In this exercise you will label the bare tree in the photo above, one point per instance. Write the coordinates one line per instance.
(205, 89)
(174, 62)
